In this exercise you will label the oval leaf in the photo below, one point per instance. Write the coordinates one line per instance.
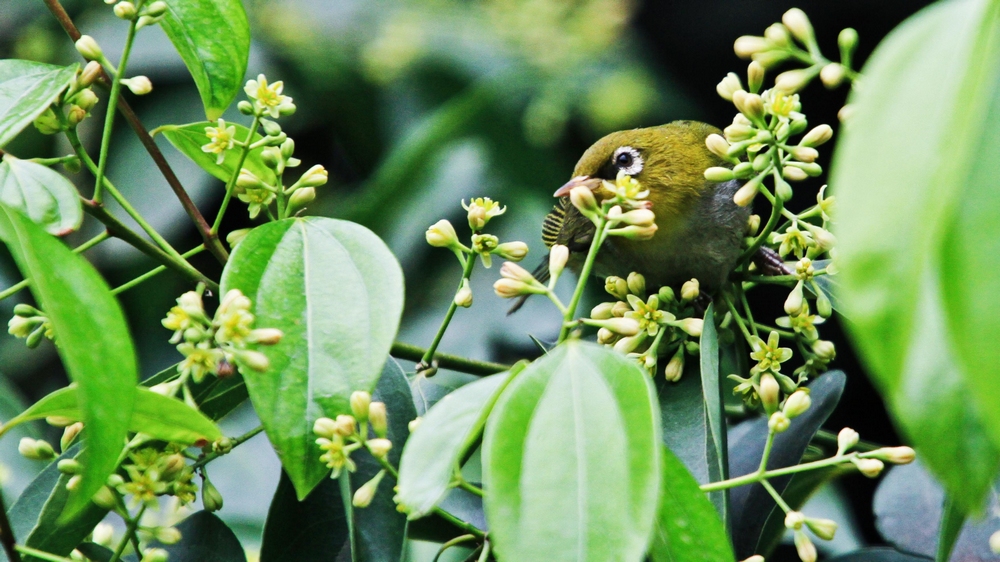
(205, 537)
(918, 237)
(41, 193)
(94, 341)
(434, 451)
(688, 528)
(571, 461)
(191, 137)
(336, 292)
(158, 416)
(213, 39)
(26, 90)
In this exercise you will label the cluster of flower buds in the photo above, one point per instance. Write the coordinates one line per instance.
(89, 49)
(871, 463)
(625, 212)
(31, 324)
(150, 472)
(644, 324)
(479, 212)
(72, 106)
(213, 346)
(797, 522)
(340, 437)
(144, 15)
(766, 381)
(515, 281)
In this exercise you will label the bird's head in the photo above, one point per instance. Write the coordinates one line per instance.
(669, 160)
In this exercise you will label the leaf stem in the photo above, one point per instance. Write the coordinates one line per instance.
(231, 184)
(48, 556)
(236, 442)
(153, 272)
(599, 235)
(777, 497)
(453, 542)
(131, 526)
(109, 118)
(447, 360)
(429, 354)
(469, 487)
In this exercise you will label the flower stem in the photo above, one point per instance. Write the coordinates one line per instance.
(132, 525)
(40, 554)
(429, 354)
(599, 235)
(231, 184)
(448, 361)
(236, 441)
(153, 272)
(109, 118)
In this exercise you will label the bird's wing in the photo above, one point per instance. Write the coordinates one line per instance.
(565, 225)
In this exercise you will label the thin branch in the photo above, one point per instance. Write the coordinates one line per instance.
(448, 361)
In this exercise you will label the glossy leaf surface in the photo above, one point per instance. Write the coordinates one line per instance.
(191, 137)
(27, 89)
(41, 193)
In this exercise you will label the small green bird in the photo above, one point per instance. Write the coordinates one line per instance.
(699, 227)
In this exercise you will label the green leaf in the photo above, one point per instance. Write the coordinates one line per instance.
(715, 410)
(205, 537)
(438, 446)
(571, 461)
(688, 529)
(336, 292)
(213, 39)
(879, 555)
(27, 89)
(41, 193)
(191, 137)
(918, 237)
(158, 416)
(37, 514)
(93, 337)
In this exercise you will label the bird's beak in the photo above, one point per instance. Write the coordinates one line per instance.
(585, 181)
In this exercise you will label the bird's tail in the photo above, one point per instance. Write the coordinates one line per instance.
(542, 274)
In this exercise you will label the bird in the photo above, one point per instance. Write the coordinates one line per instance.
(699, 227)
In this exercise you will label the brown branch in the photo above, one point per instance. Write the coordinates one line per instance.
(212, 242)
(7, 535)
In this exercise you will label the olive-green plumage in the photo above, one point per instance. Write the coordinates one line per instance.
(699, 227)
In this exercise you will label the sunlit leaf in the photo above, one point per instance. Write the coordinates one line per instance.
(41, 193)
(191, 137)
(27, 89)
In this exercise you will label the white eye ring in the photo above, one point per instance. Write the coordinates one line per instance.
(632, 169)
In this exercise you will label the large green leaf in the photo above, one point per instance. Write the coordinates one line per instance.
(41, 193)
(688, 529)
(26, 90)
(205, 537)
(213, 39)
(158, 416)
(191, 137)
(715, 411)
(919, 240)
(336, 292)
(571, 461)
(93, 337)
(437, 447)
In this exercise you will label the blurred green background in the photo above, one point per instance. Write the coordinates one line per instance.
(412, 106)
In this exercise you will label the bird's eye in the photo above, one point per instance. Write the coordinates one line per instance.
(627, 160)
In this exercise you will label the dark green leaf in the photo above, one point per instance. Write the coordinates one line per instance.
(462, 504)
(41, 193)
(27, 89)
(918, 239)
(189, 139)
(216, 397)
(908, 508)
(37, 513)
(96, 552)
(570, 459)
(750, 506)
(878, 555)
(433, 454)
(315, 528)
(336, 292)
(158, 416)
(715, 411)
(684, 420)
(688, 529)
(205, 538)
(213, 39)
(94, 341)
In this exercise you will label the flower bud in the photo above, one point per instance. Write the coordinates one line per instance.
(995, 542)
(791, 81)
(513, 251)
(869, 467)
(895, 455)
(511, 288)
(88, 48)
(628, 344)
(69, 435)
(749, 45)
(344, 425)
(91, 72)
(822, 528)
(847, 41)
(718, 145)
(638, 217)
(314, 177)
(825, 350)
(287, 148)
(634, 232)
(636, 284)
(832, 75)
(583, 199)
(360, 402)
(804, 153)
(69, 466)
(769, 392)
(366, 493)
(21, 327)
(76, 115)
(755, 76)
(47, 123)
(558, 256)
(105, 498)
(675, 367)
(795, 301)
(719, 174)
(606, 336)
(804, 547)
(413, 424)
(619, 326)
(750, 105)
(616, 287)
(73, 484)
(755, 558)
(125, 10)
(796, 404)
(846, 440)
(794, 520)
(817, 136)
(692, 326)
(798, 24)
(513, 271)
(745, 194)
(690, 290)
(380, 447)
(377, 417)
(155, 555)
(442, 235)
(237, 236)
(35, 449)
(172, 466)
(253, 359)
(463, 297)
(300, 198)
(86, 99)
(729, 85)
(778, 422)
(140, 85)
(738, 132)
(168, 535)
(245, 107)
(602, 311)
(156, 9)
(210, 496)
